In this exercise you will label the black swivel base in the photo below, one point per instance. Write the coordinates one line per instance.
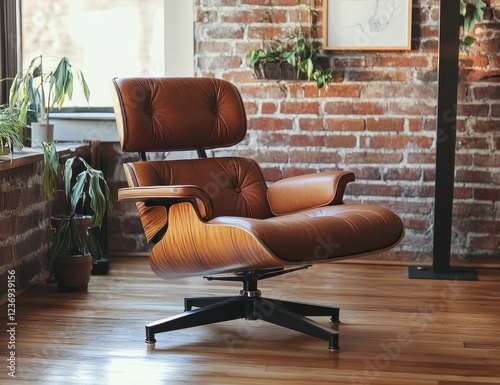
(251, 306)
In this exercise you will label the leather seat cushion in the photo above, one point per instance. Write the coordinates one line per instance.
(324, 233)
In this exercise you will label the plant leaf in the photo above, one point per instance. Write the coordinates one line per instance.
(77, 190)
(93, 245)
(51, 165)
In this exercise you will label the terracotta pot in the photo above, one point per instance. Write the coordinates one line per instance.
(72, 273)
(83, 222)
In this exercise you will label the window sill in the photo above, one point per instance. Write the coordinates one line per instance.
(32, 155)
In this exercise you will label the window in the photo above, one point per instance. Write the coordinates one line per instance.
(104, 39)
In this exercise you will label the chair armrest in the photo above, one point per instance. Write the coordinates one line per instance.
(167, 196)
(302, 192)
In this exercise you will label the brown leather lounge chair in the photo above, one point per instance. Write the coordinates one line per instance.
(212, 216)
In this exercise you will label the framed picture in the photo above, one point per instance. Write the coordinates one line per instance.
(367, 24)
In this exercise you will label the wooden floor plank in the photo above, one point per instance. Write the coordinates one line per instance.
(394, 330)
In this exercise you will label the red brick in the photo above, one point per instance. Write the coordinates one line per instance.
(478, 226)
(476, 209)
(261, 90)
(269, 138)
(418, 191)
(342, 124)
(264, 31)
(249, 16)
(299, 107)
(463, 193)
(481, 160)
(222, 31)
(495, 110)
(373, 157)
(377, 90)
(220, 61)
(463, 160)
(314, 157)
(415, 125)
(6, 254)
(270, 156)
(402, 174)
(238, 76)
(374, 75)
(488, 93)
(314, 124)
(412, 108)
(395, 141)
(268, 108)
(295, 171)
(270, 124)
(365, 173)
(429, 175)
(344, 91)
(486, 126)
(487, 194)
(385, 124)
(355, 108)
(398, 61)
(308, 141)
(487, 243)
(374, 190)
(271, 174)
(472, 143)
(251, 108)
(416, 224)
(341, 141)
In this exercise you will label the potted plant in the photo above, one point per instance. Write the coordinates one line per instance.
(11, 129)
(36, 91)
(299, 51)
(74, 242)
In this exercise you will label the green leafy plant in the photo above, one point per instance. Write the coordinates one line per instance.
(301, 50)
(11, 129)
(471, 12)
(36, 91)
(87, 186)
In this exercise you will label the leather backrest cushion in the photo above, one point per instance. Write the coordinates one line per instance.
(167, 114)
(235, 185)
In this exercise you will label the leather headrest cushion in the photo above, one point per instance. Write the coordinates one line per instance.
(167, 114)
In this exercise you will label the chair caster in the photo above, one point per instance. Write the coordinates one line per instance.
(333, 343)
(150, 337)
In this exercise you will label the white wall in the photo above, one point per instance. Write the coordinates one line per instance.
(179, 37)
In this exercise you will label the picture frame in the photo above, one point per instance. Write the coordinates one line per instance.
(367, 24)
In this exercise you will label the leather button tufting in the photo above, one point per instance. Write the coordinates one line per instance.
(237, 189)
(214, 110)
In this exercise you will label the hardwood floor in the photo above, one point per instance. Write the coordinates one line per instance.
(394, 330)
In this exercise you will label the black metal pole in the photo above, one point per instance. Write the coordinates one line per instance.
(449, 27)
(446, 132)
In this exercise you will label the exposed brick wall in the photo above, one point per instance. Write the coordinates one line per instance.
(24, 220)
(124, 230)
(24, 225)
(378, 119)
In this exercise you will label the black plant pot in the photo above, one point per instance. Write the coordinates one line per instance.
(278, 71)
(101, 266)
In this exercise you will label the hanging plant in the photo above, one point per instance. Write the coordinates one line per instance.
(300, 50)
(471, 12)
